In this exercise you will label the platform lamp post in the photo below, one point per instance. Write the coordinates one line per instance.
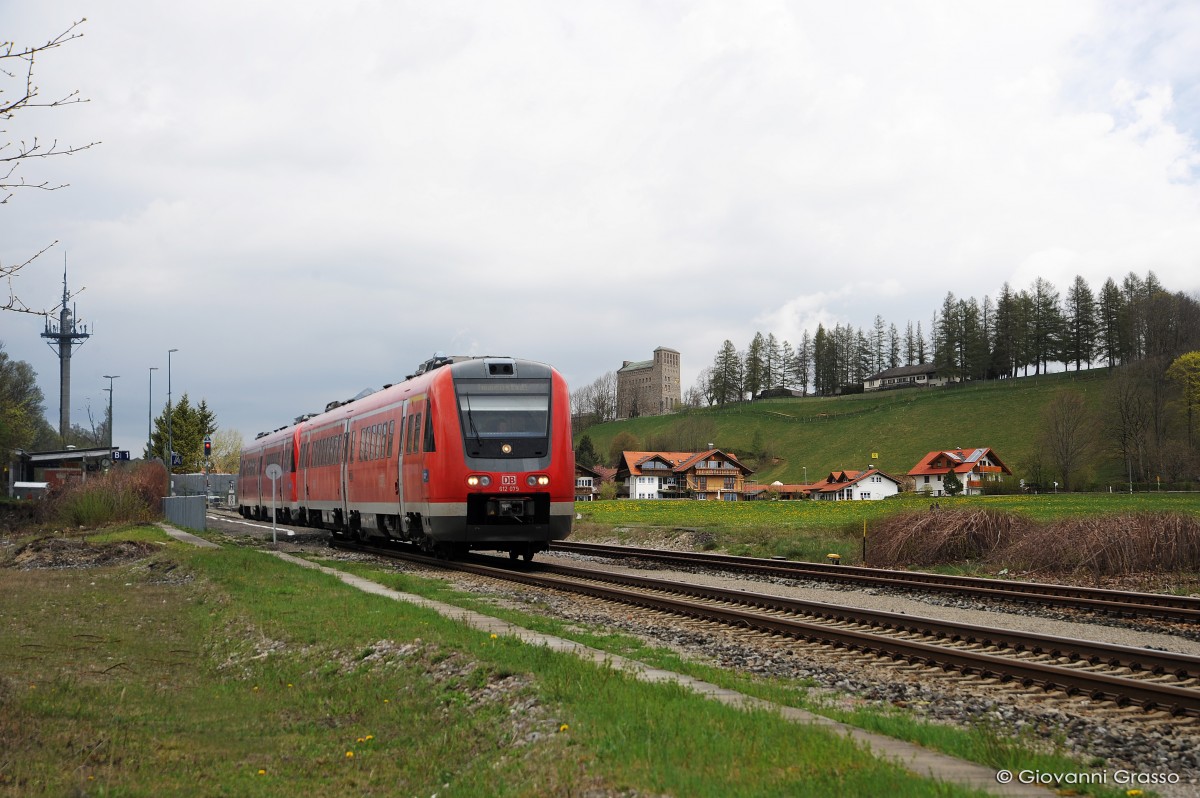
(150, 417)
(170, 427)
(110, 400)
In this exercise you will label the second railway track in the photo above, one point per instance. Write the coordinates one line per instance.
(1122, 675)
(1118, 603)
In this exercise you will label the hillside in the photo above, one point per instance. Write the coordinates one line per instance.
(827, 433)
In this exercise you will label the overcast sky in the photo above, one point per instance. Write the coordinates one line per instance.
(310, 198)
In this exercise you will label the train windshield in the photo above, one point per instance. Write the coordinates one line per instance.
(493, 409)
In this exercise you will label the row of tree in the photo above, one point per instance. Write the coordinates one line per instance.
(23, 425)
(1019, 333)
(1147, 424)
(1140, 425)
(969, 340)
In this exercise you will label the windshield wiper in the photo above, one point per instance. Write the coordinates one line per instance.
(471, 420)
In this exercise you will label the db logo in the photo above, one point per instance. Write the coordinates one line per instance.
(508, 479)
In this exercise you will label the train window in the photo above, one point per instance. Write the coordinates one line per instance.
(509, 415)
(417, 433)
(429, 447)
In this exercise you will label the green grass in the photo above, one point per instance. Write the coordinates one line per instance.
(982, 742)
(809, 530)
(233, 673)
(847, 517)
(824, 434)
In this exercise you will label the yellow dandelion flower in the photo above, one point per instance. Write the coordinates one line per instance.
(360, 740)
(370, 736)
(349, 754)
(387, 700)
(563, 727)
(256, 688)
(262, 772)
(289, 684)
(493, 636)
(1133, 793)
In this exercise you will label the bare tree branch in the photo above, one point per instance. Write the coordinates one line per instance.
(17, 69)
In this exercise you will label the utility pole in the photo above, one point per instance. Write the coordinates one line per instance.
(110, 400)
(63, 337)
(150, 417)
(170, 428)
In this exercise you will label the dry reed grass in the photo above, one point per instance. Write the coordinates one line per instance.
(1117, 545)
(1110, 545)
(939, 537)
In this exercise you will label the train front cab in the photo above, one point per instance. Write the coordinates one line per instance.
(501, 473)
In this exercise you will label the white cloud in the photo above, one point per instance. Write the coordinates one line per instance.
(312, 200)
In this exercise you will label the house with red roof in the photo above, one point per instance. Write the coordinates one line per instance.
(975, 469)
(587, 482)
(708, 475)
(778, 491)
(869, 485)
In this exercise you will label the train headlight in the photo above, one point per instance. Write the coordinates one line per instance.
(479, 480)
(538, 479)
(506, 448)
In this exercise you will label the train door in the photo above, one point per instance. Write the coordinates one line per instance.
(344, 476)
(302, 487)
(398, 453)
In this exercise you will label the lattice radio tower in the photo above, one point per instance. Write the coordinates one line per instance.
(63, 337)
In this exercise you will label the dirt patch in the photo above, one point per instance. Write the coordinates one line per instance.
(60, 552)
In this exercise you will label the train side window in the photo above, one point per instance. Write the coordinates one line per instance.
(391, 432)
(429, 447)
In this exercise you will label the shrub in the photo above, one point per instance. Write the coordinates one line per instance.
(122, 495)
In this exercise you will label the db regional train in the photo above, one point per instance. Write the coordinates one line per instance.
(468, 453)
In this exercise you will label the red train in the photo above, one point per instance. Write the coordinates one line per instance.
(468, 453)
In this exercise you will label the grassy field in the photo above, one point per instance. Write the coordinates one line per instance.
(809, 530)
(823, 434)
(230, 673)
(175, 671)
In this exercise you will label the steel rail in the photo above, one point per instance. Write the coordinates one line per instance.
(1111, 602)
(1121, 690)
(1152, 661)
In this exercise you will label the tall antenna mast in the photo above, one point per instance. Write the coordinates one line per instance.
(63, 337)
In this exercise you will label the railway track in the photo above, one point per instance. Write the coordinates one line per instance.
(1124, 604)
(1122, 675)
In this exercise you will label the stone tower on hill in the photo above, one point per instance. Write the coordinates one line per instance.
(649, 387)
